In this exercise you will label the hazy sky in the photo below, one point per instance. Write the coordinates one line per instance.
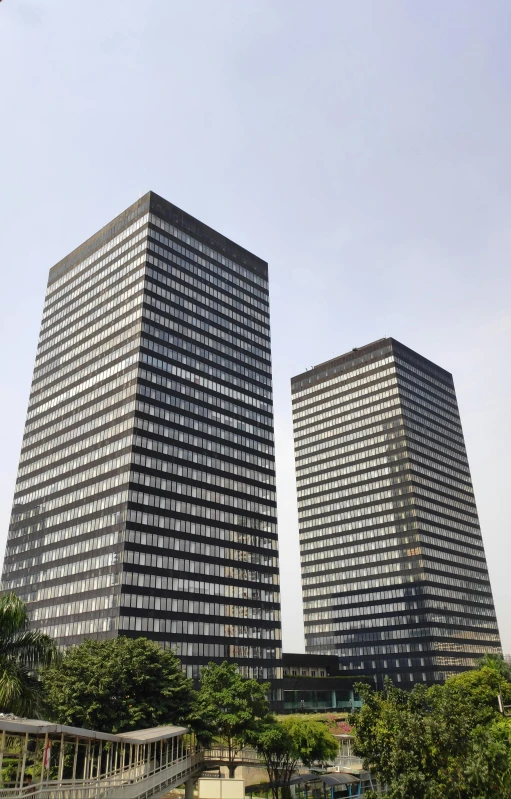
(362, 148)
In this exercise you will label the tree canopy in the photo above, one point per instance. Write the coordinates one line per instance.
(444, 742)
(283, 743)
(117, 685)
(498, 663)
(22, 653)
(230, 708)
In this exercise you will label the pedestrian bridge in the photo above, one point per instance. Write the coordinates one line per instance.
(41, 760)
(219, 755)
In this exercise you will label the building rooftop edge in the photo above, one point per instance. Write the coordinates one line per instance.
(104, 234)
(356, 352)
(154, 203)
(346, 356)
(244, 256)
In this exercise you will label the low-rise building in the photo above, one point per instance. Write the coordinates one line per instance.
(314, 684)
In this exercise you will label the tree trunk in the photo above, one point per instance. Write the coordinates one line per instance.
(231, 754)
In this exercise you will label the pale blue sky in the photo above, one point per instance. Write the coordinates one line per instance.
(362, 148)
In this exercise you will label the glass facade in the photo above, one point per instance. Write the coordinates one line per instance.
(145, 497)
(317, 701)
(394, 574)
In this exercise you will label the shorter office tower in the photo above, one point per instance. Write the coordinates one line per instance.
(394, 573)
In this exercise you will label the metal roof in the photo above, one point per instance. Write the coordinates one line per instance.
(152, 734)
(338, 779)
(327, 779)
(40, 727)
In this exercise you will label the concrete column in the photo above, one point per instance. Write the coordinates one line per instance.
(61, 756)
(2, 749)
(108, 758)
(189, 788)
(44, 757)
(86, 761)
(25, 749)
(75, 759)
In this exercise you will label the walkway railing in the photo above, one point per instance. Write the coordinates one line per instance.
(125, 785)
(220, 753)
(56, 762)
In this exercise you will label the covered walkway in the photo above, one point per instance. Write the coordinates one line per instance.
(50, 761)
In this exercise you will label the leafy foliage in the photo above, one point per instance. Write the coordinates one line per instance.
(445, 742)
(488, 768)
(230, 707)
(22, 653)
(498, 663)
(117, 685)
(283, 743)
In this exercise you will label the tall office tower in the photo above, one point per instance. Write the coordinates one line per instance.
(394, 574)
(145, 497)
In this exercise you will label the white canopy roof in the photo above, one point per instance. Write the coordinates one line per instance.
(18, 726)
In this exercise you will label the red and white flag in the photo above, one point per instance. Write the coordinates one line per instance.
(47, 755)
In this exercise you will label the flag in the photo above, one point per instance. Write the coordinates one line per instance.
(47, 755)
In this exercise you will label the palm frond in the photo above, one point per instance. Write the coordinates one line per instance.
(13, 616)
(20, 692)
(22, 652)
(32, 648)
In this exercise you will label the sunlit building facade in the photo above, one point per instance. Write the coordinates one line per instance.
(145, 497)
(394, 573)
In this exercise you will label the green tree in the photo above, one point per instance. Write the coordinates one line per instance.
(284, 743)
(488, 768)
(498, 663)
(230, 708)
(424, 743)
(118, 685)
(22, 653)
